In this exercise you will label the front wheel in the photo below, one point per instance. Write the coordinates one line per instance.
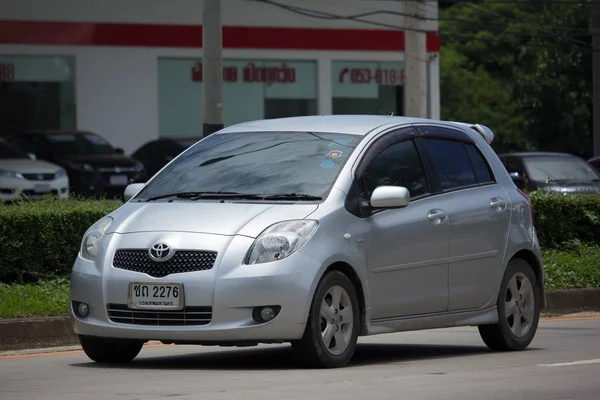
(103, 350)
(518, 310)
(332, 328)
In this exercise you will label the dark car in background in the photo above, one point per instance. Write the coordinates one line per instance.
(560, 172)
(95, 168)
(157, 153)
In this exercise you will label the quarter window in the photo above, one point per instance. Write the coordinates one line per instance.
(483, 172)
(451, 162)
(397, 165)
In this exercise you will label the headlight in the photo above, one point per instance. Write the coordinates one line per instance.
(60, 174)
(280, 240)
(10, 174)
(139, 167)
(93, 236)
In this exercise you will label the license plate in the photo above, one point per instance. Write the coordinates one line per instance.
(118, 180)
(156, 296)
(41, 188)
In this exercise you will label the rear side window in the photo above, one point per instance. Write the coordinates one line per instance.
(483, 172)
(452, 163)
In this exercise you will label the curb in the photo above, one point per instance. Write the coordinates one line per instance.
(19, 334)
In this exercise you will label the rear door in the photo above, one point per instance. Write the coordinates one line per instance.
(479, 213)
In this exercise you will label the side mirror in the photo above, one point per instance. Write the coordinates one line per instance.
(119, 150)
(31, 156)
(131, 190)
(516, 177)
(390, 197)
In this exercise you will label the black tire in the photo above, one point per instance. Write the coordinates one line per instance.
(311, 350)
(499, 336)
(103, 350)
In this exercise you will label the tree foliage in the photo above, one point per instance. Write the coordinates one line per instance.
(522, 67)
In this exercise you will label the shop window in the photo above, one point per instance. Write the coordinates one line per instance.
(252, 90)
(36, 92)
(368, 87)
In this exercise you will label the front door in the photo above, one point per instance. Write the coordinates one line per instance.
(407, 248)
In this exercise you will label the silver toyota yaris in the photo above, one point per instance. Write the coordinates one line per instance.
(314, 231)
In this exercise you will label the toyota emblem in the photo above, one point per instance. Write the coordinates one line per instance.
(160, 252)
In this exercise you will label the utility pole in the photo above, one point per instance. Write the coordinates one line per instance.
(415, 60)
(596, 75)
(212, 67)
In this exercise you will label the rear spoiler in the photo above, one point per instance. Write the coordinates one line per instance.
(483, 130)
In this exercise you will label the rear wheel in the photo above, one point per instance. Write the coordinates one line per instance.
(104, 350)
(332, 328)
(518, 310)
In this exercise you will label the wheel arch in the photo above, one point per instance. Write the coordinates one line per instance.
(354, 277)
(538, 269)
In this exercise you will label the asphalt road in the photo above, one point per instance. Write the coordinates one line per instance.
(562, 363)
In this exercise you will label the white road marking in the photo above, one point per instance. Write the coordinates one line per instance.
(568, 364)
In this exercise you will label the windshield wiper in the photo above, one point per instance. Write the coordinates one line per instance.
(292, 196)
(205, 195)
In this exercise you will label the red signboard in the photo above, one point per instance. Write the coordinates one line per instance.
(252, 73)
(7, 72)
(380, 76)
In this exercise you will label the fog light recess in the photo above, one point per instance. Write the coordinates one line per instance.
(265, 313)
(81, 309)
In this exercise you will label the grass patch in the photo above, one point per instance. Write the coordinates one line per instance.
(43, 299)
(575, 267)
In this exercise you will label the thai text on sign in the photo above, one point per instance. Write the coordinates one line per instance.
(252, 73)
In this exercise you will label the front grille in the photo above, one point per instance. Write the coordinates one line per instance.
(138, 260)
(33, 193)
(38, 177)
(191, 315)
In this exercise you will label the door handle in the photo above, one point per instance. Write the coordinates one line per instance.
(437, 216)
(498, 204)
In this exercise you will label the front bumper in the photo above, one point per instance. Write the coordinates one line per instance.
(12, 189)
(230, 290)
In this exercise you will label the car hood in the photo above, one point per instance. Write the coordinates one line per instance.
(101, 160)
(247, 219)
(27, 166)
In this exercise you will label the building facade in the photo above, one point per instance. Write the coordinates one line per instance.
(131, 70)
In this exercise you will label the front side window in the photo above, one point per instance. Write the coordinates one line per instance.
(397, 165)
(557, 169)
(451, 162)
(263, 163)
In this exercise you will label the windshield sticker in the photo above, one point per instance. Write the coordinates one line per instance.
(342, 141)
(327, 164)
(335, 154)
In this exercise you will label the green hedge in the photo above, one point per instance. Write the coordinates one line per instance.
(40, 239)
(561, 219)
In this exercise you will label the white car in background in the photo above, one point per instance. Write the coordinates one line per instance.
(24, 177)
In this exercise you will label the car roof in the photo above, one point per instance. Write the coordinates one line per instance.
(343, 124)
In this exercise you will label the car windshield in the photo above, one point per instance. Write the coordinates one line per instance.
(86, 143)
(8, 151)
(264, 163)
(542, 169)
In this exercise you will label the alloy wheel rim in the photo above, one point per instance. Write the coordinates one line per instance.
(337, 320)
(519, 305)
